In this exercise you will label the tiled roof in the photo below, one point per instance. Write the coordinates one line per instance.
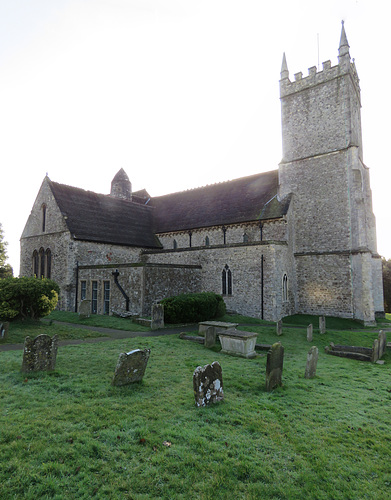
(101, 218)
(241, 200)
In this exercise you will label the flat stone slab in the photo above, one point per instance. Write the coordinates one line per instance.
(238, 343)
(192, 338)
(131, 367)
(219, 325)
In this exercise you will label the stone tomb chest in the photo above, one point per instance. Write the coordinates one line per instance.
(238, 343)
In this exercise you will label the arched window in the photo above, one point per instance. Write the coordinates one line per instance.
(226, 281)
(285, 288)
(43, 218)
(48, 263)
(41, 272)
(245, 238)
(207, 243)
(35, 264)
(174, 244)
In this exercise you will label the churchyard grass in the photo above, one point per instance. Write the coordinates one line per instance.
(70, 434)
(98, 320)
(19, 330)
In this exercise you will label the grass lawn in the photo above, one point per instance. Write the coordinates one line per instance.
(70, 434)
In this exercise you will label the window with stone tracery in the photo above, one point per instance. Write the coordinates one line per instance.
(226, 278)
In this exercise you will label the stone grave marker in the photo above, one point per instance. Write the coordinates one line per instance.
(312, 361)
(210, 337)
(131, 367)
(382, 343)
(40, 354)
(208, 384)
(375, 351)
(274, 365)
(4, 329)
(279, 327)
(322, 324)
(157, 315)
(85, 309)
(310, 331)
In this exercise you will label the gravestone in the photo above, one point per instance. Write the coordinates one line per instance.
(310, 331)
(382, 343)
(375, 351)
(4, 329)
(157, 315)
(210, 337)
(131, 367)
(312, 361)
(322, 324)
(279, 327)
(208, 384)
(40, 354)
(274, 365)
(85, 309)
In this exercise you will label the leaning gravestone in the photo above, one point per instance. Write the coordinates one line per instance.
(4, 330)
(274, 364)
(208, 384)
(85, 309)
(382, 343)
(322, 324)
(210, 337)
(279, 327)
(310, 331)
(131, 367)
(157, 316)
(312, 361)
(40, 354)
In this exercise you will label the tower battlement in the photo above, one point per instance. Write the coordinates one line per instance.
(315, 77)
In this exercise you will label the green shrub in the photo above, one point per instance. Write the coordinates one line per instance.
(27, 297)
(193, 307)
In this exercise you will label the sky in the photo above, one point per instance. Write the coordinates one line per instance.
(178, 93)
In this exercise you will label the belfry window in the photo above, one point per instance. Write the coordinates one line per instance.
(226, 280)
(285, 288)
(43, 218)
(245, 238)
(175, 245)
(207, 243)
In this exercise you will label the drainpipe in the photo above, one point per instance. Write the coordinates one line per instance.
(262, 286)
(116, 274)
(261, 230)
(77, 285)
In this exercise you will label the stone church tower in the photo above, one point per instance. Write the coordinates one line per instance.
(333, 229)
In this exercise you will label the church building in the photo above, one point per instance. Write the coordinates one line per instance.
(299, 239)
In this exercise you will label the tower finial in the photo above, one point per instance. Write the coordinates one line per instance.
(343, 50)
(284, 68)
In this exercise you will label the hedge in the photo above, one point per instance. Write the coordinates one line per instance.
(193, 307)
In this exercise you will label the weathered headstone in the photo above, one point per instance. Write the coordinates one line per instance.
(382, 343)
(4, 330)
(210, 337)
(310, 331)
(208, 384)
(322, 324)
(274, 365)
(312, 361)
(279, 327)
(375, 351)
(157, 316)
(40, 354)
(85, 309)
(131, 367)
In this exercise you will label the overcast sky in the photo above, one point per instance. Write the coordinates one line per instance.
(178, 93)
